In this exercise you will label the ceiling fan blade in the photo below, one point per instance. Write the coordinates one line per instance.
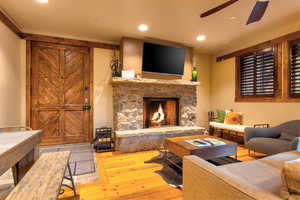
(218, 8)
(258, 11)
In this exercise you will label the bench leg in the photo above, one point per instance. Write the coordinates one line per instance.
(211, 130)
(22, 167)
(70, 179)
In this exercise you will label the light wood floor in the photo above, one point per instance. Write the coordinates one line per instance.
(127, 177)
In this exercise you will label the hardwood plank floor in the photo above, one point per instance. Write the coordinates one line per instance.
(127, 177)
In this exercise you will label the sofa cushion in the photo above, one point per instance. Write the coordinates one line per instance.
(261, 175)
(268, 145)
(279, 159)
(286, 136)
(291, 177)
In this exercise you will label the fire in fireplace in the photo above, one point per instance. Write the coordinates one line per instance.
(160, 112)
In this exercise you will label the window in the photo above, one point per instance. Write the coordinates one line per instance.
(294, 72)
(257, 74)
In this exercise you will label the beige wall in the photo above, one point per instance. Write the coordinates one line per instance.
(203, 64)
(10, 73)
(103, 101)
(223, 93)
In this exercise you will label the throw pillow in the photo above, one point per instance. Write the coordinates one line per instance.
(290, 175)
(220, 116)
(233, 118)
(286, 136)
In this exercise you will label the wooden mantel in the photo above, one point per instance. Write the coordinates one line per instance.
(119, 80)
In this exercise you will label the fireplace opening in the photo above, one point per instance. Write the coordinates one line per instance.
(159, 112)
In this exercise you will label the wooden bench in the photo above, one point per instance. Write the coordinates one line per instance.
(44, 180)
(232, 132)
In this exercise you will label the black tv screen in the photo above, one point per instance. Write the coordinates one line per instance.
(163, 59)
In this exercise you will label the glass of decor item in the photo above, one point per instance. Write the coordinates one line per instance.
(194, 74)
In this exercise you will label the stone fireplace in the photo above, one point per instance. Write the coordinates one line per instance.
(160, 112)
(141, 103)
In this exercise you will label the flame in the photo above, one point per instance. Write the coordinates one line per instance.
(159, 116)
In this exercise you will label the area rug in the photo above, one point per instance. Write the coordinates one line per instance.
(170, 173)
(82, 161)
(173, 175)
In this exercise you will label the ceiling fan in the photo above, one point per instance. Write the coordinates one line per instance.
(256, 14)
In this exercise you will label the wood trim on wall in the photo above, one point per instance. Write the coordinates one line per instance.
(66, 41)
(287, 37)
(11, 25)
(91, 131)
(28, 83)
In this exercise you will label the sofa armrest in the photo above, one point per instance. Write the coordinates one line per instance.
(295, 144)
(202, 180)
(260, 132)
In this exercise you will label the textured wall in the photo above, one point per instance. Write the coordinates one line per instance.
(103, 102)
(10, 75)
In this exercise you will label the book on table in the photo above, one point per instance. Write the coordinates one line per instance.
(205, 142)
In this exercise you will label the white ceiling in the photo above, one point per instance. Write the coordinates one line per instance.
(174, 20)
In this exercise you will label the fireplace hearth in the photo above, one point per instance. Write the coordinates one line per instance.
(160, 112)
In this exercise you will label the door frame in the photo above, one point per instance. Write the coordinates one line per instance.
(29, 88)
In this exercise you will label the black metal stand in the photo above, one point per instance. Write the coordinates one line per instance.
(104, 140)
(70, 179)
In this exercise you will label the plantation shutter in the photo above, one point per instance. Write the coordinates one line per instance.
(257, 73)
(247, 75)
(295, 70)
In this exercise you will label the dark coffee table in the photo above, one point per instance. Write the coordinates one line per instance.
(180, 148)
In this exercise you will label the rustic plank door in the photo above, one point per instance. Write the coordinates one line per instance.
(60, 93)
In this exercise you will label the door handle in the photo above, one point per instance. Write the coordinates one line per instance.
(87, 107)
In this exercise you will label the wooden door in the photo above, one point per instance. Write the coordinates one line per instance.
(60, 93)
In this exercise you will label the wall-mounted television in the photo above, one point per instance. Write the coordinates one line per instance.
(163, 59)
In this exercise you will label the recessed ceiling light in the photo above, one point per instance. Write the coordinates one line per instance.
(42, 1)
(232, 18)
(201, 37)
(143, 27)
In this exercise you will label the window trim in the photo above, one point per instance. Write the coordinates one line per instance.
(290, 44)
(259, 97)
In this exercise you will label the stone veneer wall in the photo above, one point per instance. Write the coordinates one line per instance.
(128, 103)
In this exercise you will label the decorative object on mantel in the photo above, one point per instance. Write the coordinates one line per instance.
(128, 73)
(115, 66)
(138, 75)
(194, 74)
